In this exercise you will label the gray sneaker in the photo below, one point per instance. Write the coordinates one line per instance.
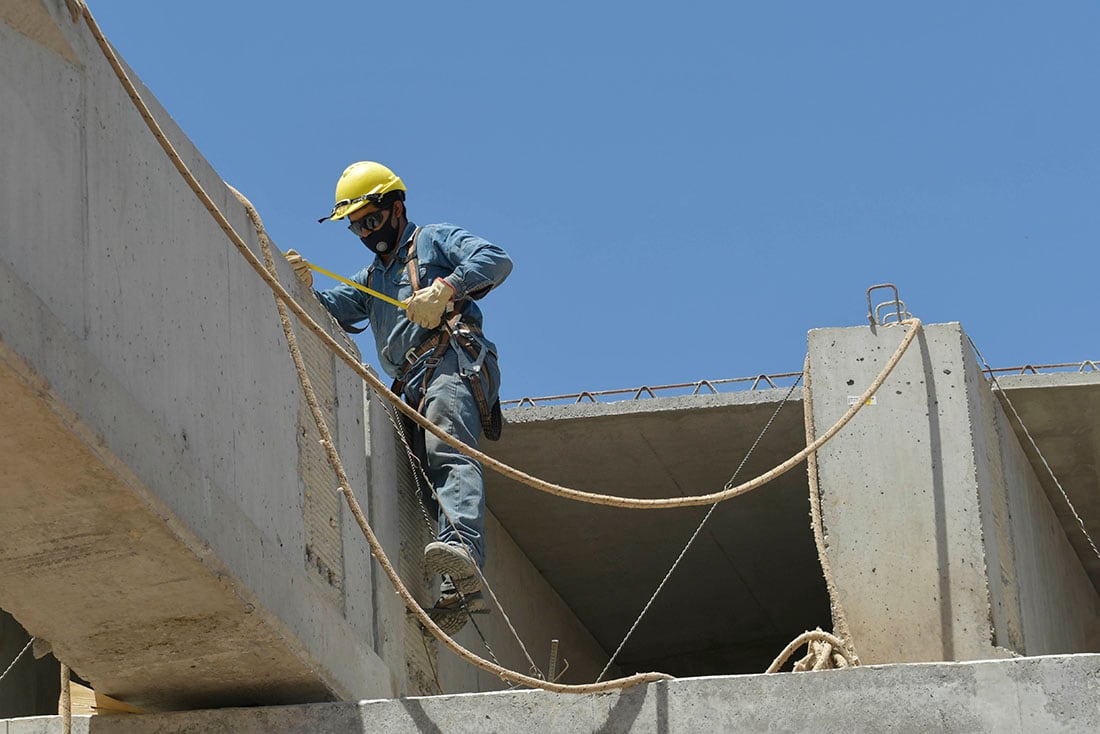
(453, 610)
(456, 562)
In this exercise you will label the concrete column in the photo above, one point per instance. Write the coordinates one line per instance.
(934, 518)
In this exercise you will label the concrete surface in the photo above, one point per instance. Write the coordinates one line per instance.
(1034, 565)
(943, 545)
(535, 609)
(1060, 410)
(1053, 695)
(158, 522)
(170, 523)
(158, 505)
(748, 585)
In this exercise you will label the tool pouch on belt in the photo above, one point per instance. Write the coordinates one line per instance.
(467, 345)
(491, 420)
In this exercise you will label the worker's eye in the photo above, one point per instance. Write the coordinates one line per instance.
(368, 223)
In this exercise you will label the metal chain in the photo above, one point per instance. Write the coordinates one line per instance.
(431, 665)
(1035, 446)
(17, 657)
(694, 535)
(419, 475)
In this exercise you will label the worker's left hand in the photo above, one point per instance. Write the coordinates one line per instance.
(427, 305)
(301, 267)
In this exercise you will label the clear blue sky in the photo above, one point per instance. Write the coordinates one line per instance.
(685, 188)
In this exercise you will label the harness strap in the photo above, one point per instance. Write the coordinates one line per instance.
(411, 263)
(491, 419)
(471, 355)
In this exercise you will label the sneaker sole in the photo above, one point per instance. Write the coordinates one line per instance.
(473, 604)
(442, 561)
(451, 621)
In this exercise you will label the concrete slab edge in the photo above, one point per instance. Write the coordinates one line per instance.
(1058, 693)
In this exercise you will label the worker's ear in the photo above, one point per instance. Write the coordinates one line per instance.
(398, 209)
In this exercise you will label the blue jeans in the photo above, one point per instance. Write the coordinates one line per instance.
(457, 479)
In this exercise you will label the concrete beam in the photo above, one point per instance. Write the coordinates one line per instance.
(1054, 695)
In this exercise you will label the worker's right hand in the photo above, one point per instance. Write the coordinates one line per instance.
(301, 267)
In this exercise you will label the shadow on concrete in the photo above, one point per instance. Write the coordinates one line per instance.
(935, 447)
(661, 694)
(419, 717)
(625, 712)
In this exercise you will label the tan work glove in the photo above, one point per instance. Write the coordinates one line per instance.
(426, 306)
(301, 267)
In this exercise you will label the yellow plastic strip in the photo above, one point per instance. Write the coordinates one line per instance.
(353, 284)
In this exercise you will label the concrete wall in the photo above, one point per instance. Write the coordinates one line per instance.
(535, 609)
(170, 523)
(1053, 695)
(539, 615)
(1058, 606)
(943, 544)
(149, 352)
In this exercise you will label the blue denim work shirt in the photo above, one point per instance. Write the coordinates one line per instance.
(467, 262)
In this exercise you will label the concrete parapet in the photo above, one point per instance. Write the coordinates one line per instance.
(170, 523)
(158, 526)
(1053, 695)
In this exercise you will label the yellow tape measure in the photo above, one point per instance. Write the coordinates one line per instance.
(353, 284)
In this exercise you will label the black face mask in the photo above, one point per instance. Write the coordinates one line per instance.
(382, 241)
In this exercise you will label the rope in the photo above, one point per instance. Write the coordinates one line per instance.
(825, 650)
(372, 380)
(16, 660)
(840, 620)
(698, 529)
(286, 301)
(420, 474)
(376, 548)
(65, 703)
(846, 659)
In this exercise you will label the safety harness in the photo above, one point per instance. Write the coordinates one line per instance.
(468, 343)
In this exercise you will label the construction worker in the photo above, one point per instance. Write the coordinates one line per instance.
(435, 351)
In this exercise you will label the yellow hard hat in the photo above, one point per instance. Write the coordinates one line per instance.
(362, 183)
